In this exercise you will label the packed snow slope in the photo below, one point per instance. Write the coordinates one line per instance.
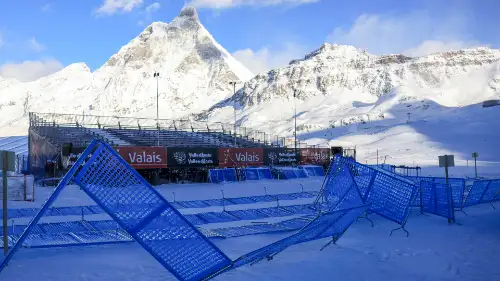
(195, 72)
(434, 250)
(346, 96)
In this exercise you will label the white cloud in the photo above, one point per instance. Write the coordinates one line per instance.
(153, 7)
(110, 7)
(221, 4)
(433, 46)
(30, 70)
(35, 46)
(414, 34)
(266, 58)
(148, 13)
(46, 8)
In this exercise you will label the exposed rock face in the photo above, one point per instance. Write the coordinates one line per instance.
(332, 68)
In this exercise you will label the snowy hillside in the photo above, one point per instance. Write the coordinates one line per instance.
(346, 96)
(195, 72)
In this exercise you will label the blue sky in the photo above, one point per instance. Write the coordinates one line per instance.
(38, 37)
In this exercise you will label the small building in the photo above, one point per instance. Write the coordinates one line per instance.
(490, 103)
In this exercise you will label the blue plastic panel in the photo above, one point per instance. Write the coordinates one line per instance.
(178, 246)
(229, 175)
(241, 200)
(475, 195)
(193, 204)
(265, 173)
(301, 209)
(311, 171)
(289, 173)
(363, 175)
(262, 198)
(217, 217)
(229, 232)
(457, 188)
(251, 174)
(248, 214)
(274, 212)
(216, 175)
(492, 193)
(286, 225)
(388, 194)
(391, 197)
(300, 173)
(436, 199)
(318, 171)
(340, 190)
(483, 191)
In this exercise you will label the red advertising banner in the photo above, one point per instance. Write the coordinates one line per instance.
(314, 155)
(143, 157)
(237, 157)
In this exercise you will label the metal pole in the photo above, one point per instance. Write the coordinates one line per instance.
(233, 83)
(157, 75)
(295, 119)
(5, 228)
(234, 92)
(377, 156)
(448, 189)
(475, 165)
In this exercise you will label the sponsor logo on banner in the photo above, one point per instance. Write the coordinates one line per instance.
(192, 156)
(233, 157)
(314, 155)
(280, 156)
(68, 159)
(142, 157)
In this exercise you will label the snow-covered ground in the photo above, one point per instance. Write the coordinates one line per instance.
(433, 251)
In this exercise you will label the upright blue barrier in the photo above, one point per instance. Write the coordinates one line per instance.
(457, 188)
(216, 175)
(257, 173)
(286, 173)
(436, 199)
(222, 175)
(300, 173)
(251, 174)
(265, 173)
(313, 170)
(229, 175)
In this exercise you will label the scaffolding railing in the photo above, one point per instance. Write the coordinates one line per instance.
(86, 121)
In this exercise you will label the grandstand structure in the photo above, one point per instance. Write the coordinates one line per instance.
(184, 146)
(127, 131)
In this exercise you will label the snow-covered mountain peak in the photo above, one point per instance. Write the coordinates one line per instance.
(338, 54)
(71, 69)
(188, 13)
(173, 46)
(195, 72)
(473, 56)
